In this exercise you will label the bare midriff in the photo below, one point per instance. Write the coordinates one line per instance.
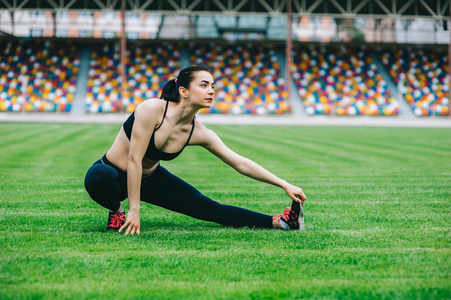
(118, 155)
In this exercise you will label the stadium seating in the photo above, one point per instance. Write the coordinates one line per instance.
(41, 75)
(37, 75)
(248, 78)
(422, 76)
(149, 66)
(340, 80)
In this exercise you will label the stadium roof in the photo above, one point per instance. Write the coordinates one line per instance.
(434, 9)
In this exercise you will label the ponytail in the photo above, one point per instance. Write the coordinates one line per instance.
(170, 91)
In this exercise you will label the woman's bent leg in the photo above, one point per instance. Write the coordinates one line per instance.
(106, 185)
(168, 191)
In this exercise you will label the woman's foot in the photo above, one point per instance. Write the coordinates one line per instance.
(115, 220)
(292, 217)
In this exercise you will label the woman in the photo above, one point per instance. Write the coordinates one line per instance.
(159, 129)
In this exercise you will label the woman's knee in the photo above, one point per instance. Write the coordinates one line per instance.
(96, 176)
(101, 183)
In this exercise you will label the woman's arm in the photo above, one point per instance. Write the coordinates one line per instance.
(209, 140)
(146, 118)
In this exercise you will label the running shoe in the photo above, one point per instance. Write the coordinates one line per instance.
(115, 220)
(292, 217)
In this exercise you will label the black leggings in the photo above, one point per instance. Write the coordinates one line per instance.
(107, 185)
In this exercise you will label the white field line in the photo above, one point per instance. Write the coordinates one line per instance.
(280, 120)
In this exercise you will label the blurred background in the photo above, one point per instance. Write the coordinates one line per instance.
(296, 57)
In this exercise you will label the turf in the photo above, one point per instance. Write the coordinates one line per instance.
(378, 218)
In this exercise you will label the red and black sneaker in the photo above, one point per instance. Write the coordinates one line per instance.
(292, 217)
(115, 220)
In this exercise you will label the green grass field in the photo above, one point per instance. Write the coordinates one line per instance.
(378, 218)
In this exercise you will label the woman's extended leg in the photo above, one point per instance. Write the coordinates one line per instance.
(168, 191)
(108, 186)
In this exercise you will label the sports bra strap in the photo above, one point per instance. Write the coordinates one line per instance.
(191, 133)
(164, 115)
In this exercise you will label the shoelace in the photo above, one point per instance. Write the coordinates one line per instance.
(286, 212)
(117, 219)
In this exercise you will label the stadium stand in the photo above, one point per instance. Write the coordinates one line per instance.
(422, 76)
(340, 80)
(248, 78)
(37, 75)
(41, 75)
(148, 68)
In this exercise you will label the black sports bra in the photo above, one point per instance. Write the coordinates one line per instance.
(152, 151)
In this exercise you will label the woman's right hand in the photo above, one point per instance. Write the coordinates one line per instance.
(295, 193)
(132, 222)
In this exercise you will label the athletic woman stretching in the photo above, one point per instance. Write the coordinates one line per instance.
(159, 129)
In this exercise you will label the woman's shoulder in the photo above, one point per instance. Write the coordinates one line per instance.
(201, 134)
(150, 112)
(151, 106)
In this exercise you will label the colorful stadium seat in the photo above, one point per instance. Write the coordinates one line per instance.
(37, 75)
(423, 77)
(148, 68)
(248, 78)
(341, 81)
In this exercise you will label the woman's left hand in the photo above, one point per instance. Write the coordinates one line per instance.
(295, 193)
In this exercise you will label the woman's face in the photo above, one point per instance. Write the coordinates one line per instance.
(201, 90)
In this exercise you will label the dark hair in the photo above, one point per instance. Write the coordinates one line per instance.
(170, 90)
